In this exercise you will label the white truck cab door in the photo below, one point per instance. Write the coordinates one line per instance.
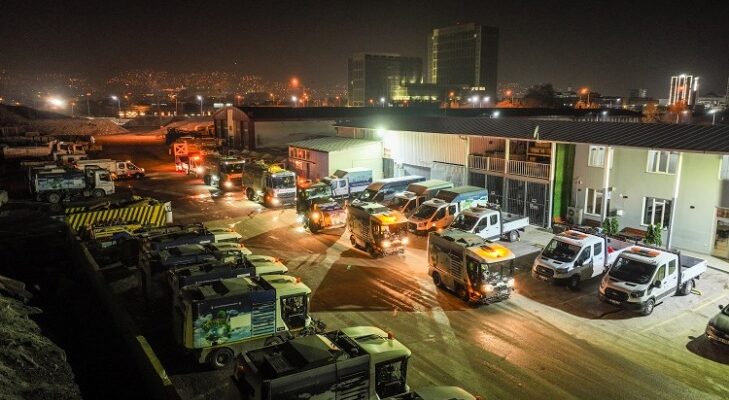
(492, 224)
(450, 215)
(661, 284)
(585, 263)
(439, 218)
(598, 259)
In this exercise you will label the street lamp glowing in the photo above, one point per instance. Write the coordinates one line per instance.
(295, 82)
(604, 113)
(56, 102)
(496, 114)
(201, 104)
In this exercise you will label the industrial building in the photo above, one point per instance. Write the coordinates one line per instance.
(319, 157)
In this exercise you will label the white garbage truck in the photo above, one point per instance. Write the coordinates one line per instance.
(641, 277)
(574, 256)
(376, 229)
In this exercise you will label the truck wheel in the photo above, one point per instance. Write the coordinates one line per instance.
(371, 250)
(436, 280)
(353, 241)
(207, 179)
(686, 288)
(54, 198)
(574, 283)
(313, 227)
(98, 193)
(138, 176)
(250, 194)
(462, 293)
(649, 305)
(513, 236)
(220, 357)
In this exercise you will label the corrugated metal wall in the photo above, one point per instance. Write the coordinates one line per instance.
(422, 149)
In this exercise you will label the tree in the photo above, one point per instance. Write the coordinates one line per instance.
(653, 235)
(541, 96)
(610, 226)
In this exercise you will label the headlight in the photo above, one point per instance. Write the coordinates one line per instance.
(299, 218)
(510, 282)
(386, 244)
(275, 201)
(199, 170)
(228, 184)
(315, 215)
(637, 294)
(405, 240)
(487, 288)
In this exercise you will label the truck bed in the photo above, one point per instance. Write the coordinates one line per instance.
(512, 222)
(691, 267)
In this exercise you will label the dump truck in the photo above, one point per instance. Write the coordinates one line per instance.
(218, 320)
(406, 202)
(643, 276)
(118, 169)
(224, 172)
(438, 212)
(270, 184)
(361, 362)
(55, 185)
(490, 222)
(376, 229)
(348, 182)
(477, 270)
(574, 257)
(323, 214)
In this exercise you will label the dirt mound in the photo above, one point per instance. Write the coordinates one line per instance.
(31, 366)
(11, 115)
(32, 120)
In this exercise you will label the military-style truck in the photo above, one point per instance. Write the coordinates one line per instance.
(477, 270)
(642, 276)
(574, 257)
(222, 172)
(376, 229)
(438, 212)
(406, 202)
(57, 184)
(490, 222)
(270, 184)
(218, 320)
(348, 182)
(360, 362)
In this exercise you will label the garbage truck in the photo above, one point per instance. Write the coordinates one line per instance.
(477, 270)
(218, 320)
(54, 185)
(361, 362)
(376, 229)
(406, 202)
(224, 172)
(270, 184)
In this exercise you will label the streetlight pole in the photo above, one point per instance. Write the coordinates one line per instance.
(201, 104)
(118, 104)
(382, 100)
(88, 107)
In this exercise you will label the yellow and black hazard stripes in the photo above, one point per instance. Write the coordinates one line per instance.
(152, 215)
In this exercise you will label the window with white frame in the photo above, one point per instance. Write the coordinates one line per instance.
(724, 170)
(662, 162)
(656, 212)
(596, 157)
(593, 202)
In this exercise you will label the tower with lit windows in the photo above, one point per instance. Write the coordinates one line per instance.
(684, 89)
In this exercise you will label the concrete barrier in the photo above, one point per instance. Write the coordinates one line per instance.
(159, 385)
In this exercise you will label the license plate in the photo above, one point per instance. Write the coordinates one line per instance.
(542, 277)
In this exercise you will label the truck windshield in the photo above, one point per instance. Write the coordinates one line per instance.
(560, 251)
(464, 222)
(425, 211)
(629, 270)
(399, 203)
(500, 269)
(283, 182)
(317, 191)
(232, 168)
(385, 231)
(368, 195)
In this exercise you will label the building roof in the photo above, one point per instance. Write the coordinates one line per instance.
(680, 137)
(331, 143)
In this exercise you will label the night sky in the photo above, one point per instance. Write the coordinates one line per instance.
(610, 46)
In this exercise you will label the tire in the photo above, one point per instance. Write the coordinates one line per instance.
(54, 198)
(649, 306)
(220, 358)
(513, 236)
(272, 341)
(574, 283)
(686, 288)
(353, 241)
(138, 176)
(250, 194)
(436, 280)
(462, 293)
(207, 179)
(98, 193)
(371, 250)
(313, 227)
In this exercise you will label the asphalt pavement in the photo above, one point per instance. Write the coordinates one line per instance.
(546, 342)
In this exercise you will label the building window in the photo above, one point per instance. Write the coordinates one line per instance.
(662, 162)
(724, 171)
(656, 212)
(596, 157)
(593, 202)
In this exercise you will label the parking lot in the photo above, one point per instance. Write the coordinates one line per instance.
(544, 342)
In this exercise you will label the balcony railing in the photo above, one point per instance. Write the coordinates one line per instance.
(520, 168)
(528, 169)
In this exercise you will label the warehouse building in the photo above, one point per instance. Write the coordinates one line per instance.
(320, 157)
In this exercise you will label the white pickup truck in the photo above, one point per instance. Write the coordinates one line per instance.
(490, 223)
(642, 277)
(574, 256)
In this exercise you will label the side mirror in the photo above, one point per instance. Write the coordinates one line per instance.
(657, 284)
(477, 229)
(721, 307)
(579, 263)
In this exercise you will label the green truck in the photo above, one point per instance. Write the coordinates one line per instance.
(218, 320)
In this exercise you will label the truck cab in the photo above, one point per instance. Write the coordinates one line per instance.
(490, 223)
(439, 212)
(324, 213)
(348, 182)
(376, 229)
(641, 277)
(361, 362)
(223, 172)
(574, 256)
(406, 202)
(270, 184)
(218, 320)
(307, 191)
(477, 270)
